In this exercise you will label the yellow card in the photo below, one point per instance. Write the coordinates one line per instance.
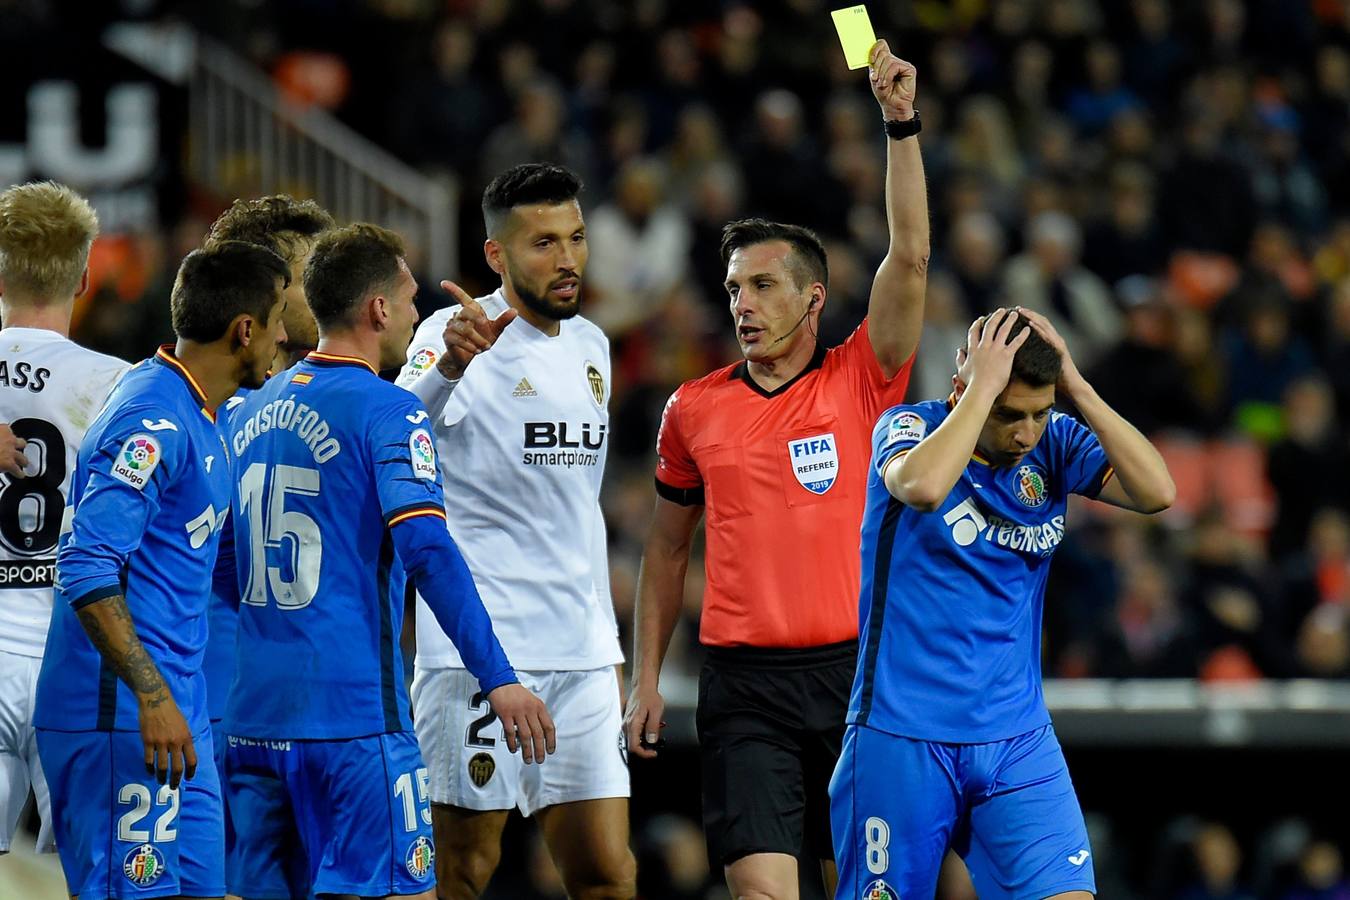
(855, 34)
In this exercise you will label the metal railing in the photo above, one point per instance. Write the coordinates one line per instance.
(246, 139)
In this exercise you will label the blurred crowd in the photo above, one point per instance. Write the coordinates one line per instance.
(1166, 180)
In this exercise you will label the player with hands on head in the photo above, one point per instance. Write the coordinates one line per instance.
(774, 450)
(121, 698)
(949, 744)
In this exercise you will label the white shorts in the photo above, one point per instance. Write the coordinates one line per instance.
(20, 767)
(472, 768)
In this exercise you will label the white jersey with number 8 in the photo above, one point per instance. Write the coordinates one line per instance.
(51, 389)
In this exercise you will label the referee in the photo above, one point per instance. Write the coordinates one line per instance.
(774, 450)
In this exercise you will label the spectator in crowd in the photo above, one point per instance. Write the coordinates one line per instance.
(1049, 279)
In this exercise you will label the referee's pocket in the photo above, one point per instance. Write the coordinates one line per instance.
(725, 485)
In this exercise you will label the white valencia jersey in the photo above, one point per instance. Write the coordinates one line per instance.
(522, 441)
(51, 389)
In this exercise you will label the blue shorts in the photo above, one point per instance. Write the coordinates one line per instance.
(119, 831)
(219, 743)
(1008, 808)
(329, 817)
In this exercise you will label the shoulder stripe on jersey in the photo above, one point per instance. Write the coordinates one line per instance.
(683, 496)
(1105, 474)
(333, 359)
(881, 577)
(165, 355)
(403, 515)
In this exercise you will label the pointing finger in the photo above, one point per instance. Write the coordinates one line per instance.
(461, 296)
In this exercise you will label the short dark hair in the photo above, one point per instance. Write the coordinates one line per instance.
(807, 263)
(221, 282)
(530, 183)
(280, 223)
(1035, 363)
(348, 264)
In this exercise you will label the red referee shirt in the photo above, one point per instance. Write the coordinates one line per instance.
(783, 475)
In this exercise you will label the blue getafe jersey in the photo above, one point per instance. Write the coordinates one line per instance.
(150, 494)
(222, 614)
(951, 600)
(327, 459)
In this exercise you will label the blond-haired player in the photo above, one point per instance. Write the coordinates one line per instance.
(50, 390)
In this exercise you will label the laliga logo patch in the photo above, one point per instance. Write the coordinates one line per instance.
(423, 454)
(880, 890)
(906, 426)
(1032, 487)
(420, 858)
(136, 460)
(815, 462)
(422, 360)
(143, 865)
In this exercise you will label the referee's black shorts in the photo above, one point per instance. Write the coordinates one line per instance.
(770, 727)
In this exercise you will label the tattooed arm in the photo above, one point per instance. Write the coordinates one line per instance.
(169, 753)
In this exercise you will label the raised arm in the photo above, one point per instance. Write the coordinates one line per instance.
(1142, 482)
(660, 595)
(895, 308)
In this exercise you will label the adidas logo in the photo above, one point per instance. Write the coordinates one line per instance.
(524, 389)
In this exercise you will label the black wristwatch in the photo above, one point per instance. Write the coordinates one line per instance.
(898, 130)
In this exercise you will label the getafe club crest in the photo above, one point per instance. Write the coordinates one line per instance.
(1032, 487)
(420, 858)
(815, 461)
(880, 890)
(597, 383)
(143, 865)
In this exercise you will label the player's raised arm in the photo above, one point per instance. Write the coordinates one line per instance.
(895, 309)
(923, 477)
(1142, 482)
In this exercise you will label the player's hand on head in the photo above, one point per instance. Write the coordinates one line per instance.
(169, 753)
(642, 722)
(12, 459)
(1046, 329)
(992, 342)
(469, 332)
(525, 722)
(893, 81)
